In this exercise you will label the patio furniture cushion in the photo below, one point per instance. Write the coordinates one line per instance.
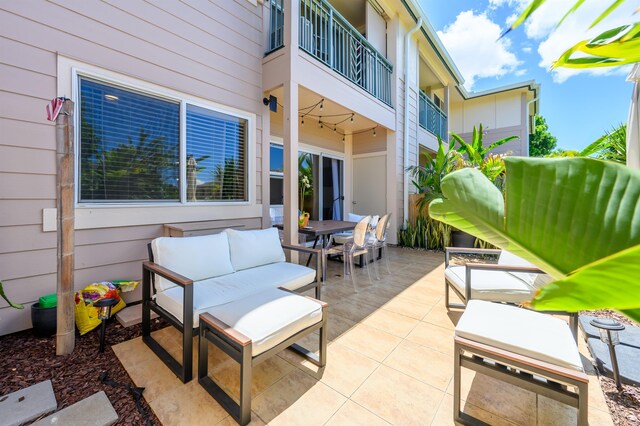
(254, 248)
(269, 317)
(242, 284)
(281, 274)
(521, 331)
(509, 259)
(490, 285)
(198, 258)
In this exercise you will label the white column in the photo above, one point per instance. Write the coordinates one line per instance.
(394, 149)
(265, 155)
(348, 174)
(290, 123)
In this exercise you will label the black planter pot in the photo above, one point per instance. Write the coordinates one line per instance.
(44, 320)
(462, 239)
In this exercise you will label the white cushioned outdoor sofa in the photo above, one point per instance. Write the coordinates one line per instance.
(187, 276)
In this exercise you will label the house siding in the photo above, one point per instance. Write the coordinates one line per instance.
(209, 49)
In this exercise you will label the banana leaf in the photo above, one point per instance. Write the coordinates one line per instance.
(578, 219)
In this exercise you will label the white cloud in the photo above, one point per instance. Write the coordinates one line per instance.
(472, 41)
(541, 26)
(521, 72)
(511, 19)
(526, 49)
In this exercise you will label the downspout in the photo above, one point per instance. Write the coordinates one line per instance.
(405, 135)
(529, 130)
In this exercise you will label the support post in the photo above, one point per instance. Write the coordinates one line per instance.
(65, 333)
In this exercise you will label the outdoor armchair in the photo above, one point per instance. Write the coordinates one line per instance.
(512, 280)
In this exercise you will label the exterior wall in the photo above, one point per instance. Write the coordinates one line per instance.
(365, 143)
(501, 115)
(212, 50)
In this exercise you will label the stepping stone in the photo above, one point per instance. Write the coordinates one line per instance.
(93, 411)
(627, 352)
(27, 404)
(132, 315)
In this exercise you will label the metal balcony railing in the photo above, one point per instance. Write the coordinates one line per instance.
(432, 118)
(327, 36)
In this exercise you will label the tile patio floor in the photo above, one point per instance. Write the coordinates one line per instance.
(390, 361)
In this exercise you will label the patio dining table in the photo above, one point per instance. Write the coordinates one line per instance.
(322, 229)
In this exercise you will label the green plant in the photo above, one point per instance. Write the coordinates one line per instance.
(541, 142)
(614, 47)
(426, 179)
(426, 233)
(610, 146)
(492, 166)
(4, 296)
(578, 219)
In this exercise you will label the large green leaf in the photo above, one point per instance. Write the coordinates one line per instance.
(560, 214)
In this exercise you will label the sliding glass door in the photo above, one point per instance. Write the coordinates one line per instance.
(322, 197)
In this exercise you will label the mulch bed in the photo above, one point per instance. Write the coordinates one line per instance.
(624, 406)
(26, 359)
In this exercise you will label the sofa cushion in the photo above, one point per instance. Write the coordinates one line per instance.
(269, 317)
(490, 285)
(509, 259)
(197, 258)
(281, 274)
(254, 248)
(524, 332)
(239, 285)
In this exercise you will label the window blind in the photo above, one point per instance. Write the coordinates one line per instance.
(129, 145)
(216, 156)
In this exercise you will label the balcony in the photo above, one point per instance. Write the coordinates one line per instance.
(327, 36)
(432, 118)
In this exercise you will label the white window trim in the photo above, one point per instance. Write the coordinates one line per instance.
(105, 214)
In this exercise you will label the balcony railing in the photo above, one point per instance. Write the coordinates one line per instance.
(432, 118)
(327, 36)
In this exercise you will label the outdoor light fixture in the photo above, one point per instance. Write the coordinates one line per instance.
(374, 132)
(321, 104)
(352, 118)
(608, 329)
(302, 122)
(272, 102)
(104, 313)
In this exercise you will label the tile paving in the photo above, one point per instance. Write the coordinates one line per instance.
(389, 362)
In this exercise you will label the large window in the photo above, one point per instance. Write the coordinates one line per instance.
(131, 149)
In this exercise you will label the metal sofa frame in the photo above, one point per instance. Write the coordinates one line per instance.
(531, 374)
(573, 316)
(239, 347)
(184, 371)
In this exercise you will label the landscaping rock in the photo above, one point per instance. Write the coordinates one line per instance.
(627, 352)
(93, 411)
(27, 404)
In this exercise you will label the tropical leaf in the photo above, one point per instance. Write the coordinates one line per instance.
(564, 215)
(6, 299)
(570, 11)
(535, 4)
(606, 13)
(615, 47)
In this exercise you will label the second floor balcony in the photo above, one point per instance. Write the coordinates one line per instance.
(432, 118)
(327, 36)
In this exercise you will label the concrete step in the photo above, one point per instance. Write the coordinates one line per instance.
(27, 404)
(132, 315)
(93, 411)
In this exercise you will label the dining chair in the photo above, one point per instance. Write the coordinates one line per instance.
(354, 247)
(378, 242)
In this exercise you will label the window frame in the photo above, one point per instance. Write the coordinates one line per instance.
(145, 88)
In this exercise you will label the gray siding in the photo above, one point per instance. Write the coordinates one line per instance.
(210, 49)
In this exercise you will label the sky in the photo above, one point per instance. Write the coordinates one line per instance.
(578, 105)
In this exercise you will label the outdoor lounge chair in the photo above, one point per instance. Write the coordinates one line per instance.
(512, 280)
(524, 348)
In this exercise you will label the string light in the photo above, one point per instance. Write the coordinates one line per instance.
(374, 132)
(302, 122)
(352, 117)
(321, 104)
